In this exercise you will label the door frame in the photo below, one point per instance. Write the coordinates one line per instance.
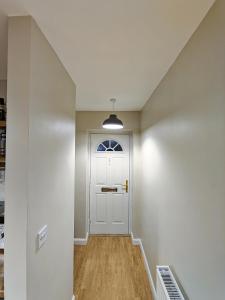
(88, 176)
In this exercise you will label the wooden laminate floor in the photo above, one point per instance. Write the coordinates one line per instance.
(110, 268)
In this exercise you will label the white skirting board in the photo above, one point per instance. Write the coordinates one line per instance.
(80, 241)
(138, 242)
(135, 242)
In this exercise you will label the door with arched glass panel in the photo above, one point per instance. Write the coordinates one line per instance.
(109, 193)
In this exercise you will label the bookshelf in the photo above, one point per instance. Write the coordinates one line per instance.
(3, 95)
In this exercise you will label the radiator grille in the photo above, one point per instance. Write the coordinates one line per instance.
(167, 288)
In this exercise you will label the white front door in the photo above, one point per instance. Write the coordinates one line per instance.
(109, 192)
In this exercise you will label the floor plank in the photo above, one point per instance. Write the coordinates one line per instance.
(110, 268)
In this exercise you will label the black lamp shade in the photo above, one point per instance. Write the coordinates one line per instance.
(112, 122)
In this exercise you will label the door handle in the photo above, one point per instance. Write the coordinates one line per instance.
(125, 186)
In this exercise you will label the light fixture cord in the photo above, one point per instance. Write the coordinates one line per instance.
(113, 103)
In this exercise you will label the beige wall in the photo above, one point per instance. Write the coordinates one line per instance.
(181, 212)
(87, 122)
(40, 168)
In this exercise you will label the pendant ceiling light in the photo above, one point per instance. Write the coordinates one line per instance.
(112, 122)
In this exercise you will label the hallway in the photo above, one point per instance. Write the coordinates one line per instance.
(112, 142)
(110, 268)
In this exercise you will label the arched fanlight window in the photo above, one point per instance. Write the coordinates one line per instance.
(109, 145)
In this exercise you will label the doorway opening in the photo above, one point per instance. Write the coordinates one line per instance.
(109, 201)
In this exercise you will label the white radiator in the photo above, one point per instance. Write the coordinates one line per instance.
(166, 286)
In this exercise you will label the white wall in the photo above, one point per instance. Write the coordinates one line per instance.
(181, 211)
(87, 122)
(40, 168)
(3, 43)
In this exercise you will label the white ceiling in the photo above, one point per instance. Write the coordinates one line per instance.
(114, 48)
